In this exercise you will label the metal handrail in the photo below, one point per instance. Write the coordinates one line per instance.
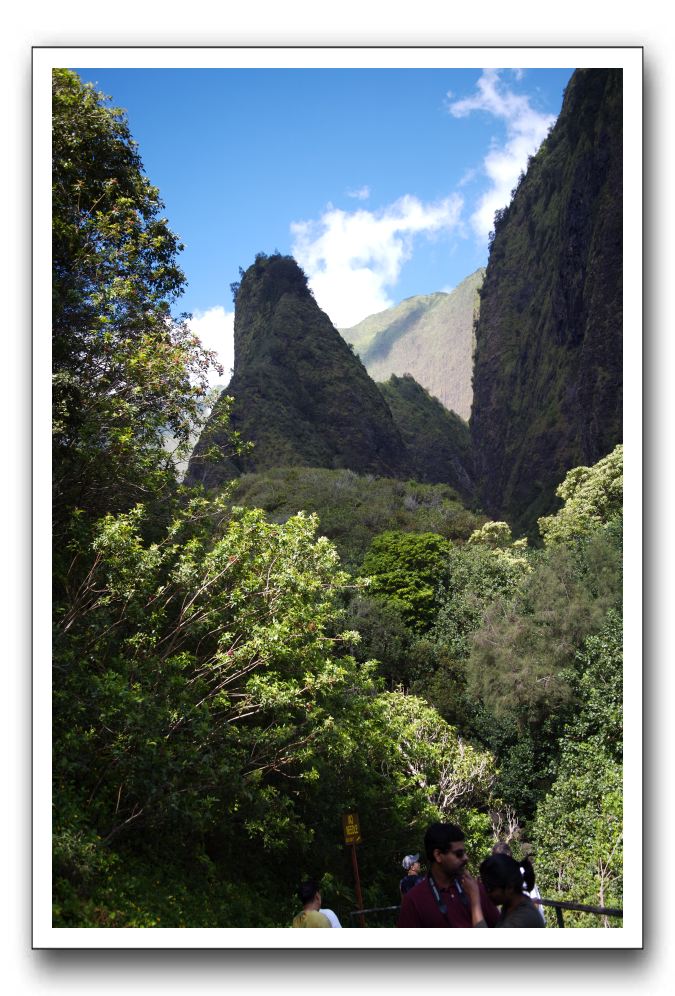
(558, 904)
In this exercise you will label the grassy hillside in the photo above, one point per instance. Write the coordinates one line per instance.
(353, 509)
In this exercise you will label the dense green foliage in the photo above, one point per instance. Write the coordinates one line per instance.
(203, 700)
(408, 568)
(592, 495)
(503, 653)
(548, 362)
(429, 337)
(578, 829)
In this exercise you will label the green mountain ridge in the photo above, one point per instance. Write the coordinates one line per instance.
(429, 336)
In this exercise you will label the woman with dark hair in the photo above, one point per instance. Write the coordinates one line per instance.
(527, 871)
(503, 881)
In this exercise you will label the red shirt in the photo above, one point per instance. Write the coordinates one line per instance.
(420, 909)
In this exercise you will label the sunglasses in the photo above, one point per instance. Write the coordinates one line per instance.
(458, 854)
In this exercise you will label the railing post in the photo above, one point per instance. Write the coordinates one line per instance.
(559, 916)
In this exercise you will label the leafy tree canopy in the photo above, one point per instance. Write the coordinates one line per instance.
(578, 826)
(203, 692)
(408, 568)
(126, 374)
(592, 496)
(523, 657)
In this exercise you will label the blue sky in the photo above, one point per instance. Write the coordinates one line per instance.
(381, 182)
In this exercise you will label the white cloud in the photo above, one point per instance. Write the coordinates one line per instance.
(526, 128)
(215, 329)
(361, 194)
(352, 259)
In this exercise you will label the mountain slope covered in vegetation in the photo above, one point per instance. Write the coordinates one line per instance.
(438, 441)
(429, 336)
(548, 361)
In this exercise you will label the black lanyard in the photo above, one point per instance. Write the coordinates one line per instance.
(442, 908)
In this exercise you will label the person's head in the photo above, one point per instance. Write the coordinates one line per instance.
(411, 864)
(502, 878)
(309, 895)
(444, 848)
(527, 871)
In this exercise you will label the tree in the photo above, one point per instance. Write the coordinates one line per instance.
(523, 657)
(496, 536)
(477, 574)
(429, 755)
(383, 636)
(176, 655)
(203, 700)
(407, 569)
(578, 836)
(578, 829)
(126, 374)
(593, 496)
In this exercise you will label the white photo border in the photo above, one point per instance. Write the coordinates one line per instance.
(630, 59)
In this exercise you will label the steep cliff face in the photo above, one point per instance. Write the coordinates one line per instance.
(438, 441)
(548, 359)
(301, 395)
(429, 336)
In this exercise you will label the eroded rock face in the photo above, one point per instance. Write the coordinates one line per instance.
(548, 361)
(301, 395)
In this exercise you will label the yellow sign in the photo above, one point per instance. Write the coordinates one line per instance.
(351, 828)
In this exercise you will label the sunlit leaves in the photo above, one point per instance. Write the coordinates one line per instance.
(592, 496)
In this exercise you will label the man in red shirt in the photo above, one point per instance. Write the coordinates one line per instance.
(439, 900)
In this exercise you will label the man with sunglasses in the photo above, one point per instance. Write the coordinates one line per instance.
(440, 899)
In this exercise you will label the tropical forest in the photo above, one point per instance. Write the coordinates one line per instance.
(341, 585)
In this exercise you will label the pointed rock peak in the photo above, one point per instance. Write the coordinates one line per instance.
(269, 278)
(300, 394)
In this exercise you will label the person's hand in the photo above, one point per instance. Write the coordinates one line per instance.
(470, 886)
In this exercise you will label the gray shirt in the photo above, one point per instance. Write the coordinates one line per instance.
(525, 914)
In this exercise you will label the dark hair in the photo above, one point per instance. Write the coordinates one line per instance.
(307, 890)
(525, 865)
(499, 871)
(441, 836)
